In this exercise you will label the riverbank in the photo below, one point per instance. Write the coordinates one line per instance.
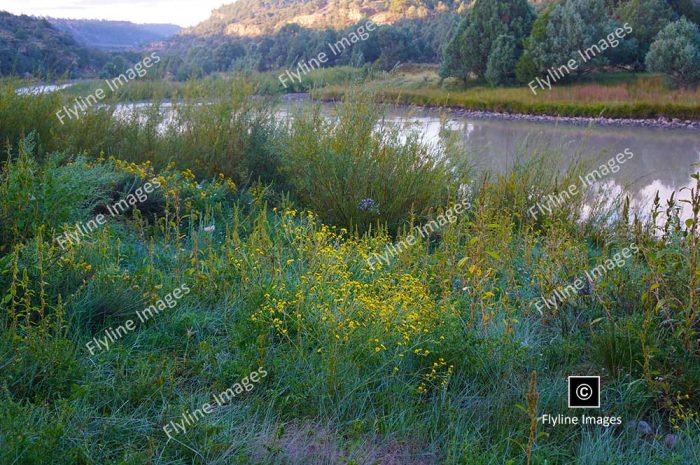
(458, 111)
(627, 100)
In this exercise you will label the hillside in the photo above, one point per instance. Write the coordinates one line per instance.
(113, 35)
(251, 18)
(254, 18)
(33, 46)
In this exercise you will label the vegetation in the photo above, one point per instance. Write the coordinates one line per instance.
(647, 18)
(676, 51)
(113, 35)
(491, 35)
(438, 356)
(571, 26)
(419, 40)
(30, 46)
(495, 42)
(620, 33)
(611, 95)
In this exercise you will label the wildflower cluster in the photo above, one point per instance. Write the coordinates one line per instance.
(334, 303)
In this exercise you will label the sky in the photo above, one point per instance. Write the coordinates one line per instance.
(181, 12)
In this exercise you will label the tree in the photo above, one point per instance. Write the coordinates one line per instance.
(454, 62)
(526, 68)
(476, 37)
(647, 18)
(226, 54)
(688, 8)
(500, 68)
(676, 52)
(571, 26)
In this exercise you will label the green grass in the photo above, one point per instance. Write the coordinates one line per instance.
(616, 95)
(219, 84)
(424, 360)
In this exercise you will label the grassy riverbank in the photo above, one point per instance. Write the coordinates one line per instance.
(219, 84)
(438, 354)
(611, 96)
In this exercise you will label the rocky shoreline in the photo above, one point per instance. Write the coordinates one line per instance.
(664, 123)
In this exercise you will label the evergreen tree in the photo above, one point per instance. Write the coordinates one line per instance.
(571, 26)
(500, 68)
(476, 37)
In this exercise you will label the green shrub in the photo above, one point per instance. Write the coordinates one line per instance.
(47, 194)
(355, 172)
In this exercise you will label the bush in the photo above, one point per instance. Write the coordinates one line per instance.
(676, 52)
(46, 194)
(353, 173)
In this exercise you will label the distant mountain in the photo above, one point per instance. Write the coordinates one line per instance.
(33, 46)
(114, 35)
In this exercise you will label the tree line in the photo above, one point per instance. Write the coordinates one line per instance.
(505, 41)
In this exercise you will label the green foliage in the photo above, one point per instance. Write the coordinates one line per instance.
(447, 326)
(333, 166)
(676, 52)
(43, 194)
(454, 61)
(647, 17)
(479, 34)
(688, 8)
(32, 46)
(502, 61)
(526, 69)
(571, 25)
(412, 39)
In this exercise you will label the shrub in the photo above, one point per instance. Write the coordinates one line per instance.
(353, 172)
(46, 194)
(676, 52)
